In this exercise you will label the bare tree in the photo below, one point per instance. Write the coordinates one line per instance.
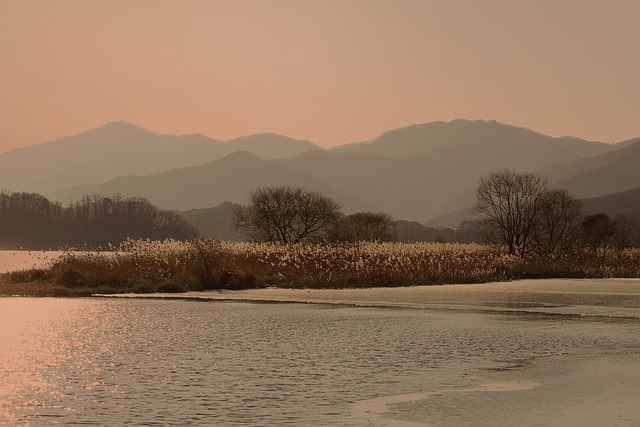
(363, 226)
(509, 203)
(285, 214)
(558, 228)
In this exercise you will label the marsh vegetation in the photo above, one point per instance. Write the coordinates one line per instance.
(144, 266)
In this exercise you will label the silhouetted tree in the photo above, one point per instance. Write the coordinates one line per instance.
(510, 203)
(598, 231)
(363, 226)
(286, 214)
(625, 226)
(558, 225)
(601, 232)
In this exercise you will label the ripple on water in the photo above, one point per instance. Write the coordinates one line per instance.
(118, 362)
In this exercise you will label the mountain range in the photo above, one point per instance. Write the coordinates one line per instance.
(420, 172)
(119, 149)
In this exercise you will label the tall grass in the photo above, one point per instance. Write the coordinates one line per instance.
(176, 266)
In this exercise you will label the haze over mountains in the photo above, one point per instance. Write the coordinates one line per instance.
(118, 149)
(414, 173)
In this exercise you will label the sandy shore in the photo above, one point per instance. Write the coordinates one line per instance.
(588, 389)
(568, 296)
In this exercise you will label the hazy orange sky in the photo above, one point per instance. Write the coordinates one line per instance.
(332, 71)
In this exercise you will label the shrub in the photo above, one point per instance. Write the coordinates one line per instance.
(71, 278)
(82, 292)
(170, 287)
(31, 275)
(143, 288)
(60, 291)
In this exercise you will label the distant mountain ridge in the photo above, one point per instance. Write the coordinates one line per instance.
(230, 178)
(611, 172)
(429, 138)
(413, 173)
(120, 148)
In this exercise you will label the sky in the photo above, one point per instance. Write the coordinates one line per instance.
(331, 71)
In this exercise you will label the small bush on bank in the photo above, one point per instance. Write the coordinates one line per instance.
(71, 278)
(60, 291)
(171, 287)
(30, 275)
(143, 288)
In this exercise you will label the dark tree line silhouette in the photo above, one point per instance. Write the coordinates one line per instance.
(524, 215)
(292, 215)
(31, 221)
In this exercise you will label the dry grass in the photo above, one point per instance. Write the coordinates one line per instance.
(172, 266)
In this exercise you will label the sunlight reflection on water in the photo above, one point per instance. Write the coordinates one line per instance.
(119, 362)
(12, 260)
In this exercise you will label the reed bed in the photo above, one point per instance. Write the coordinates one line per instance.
(177, 266)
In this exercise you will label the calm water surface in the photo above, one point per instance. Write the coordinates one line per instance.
(141, 362)
(12, 260)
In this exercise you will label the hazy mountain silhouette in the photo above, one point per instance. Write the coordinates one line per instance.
(118, 149)
(625, 202)
(413, 173)
(271, 146)
(452, 219)
(430, 138)
(214, 223)
(439, 163)
(611, 172)
(228, 179)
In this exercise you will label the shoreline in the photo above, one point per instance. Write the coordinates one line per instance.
(612, 297)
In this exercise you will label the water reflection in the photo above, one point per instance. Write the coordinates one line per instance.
(12, 260)
(117, 362)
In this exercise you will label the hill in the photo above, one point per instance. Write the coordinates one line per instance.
(422, 171)
(228, 179)
(214, 223)
(429, 138)
(118, 149)
(414, 173)
(611, 172)
(625, 202)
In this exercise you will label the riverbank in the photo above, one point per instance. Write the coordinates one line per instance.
(533, 294)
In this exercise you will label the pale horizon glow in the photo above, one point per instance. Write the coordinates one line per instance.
(330, 71)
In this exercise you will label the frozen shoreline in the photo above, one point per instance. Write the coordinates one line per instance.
(611, 297)
(586, 389)
(580, 391)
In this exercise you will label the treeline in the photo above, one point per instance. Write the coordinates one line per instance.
(31, 221)
(414, 232)
(217, 223)
(521, 213)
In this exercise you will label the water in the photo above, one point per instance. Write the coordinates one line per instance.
(12, 260)
(152, 362)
